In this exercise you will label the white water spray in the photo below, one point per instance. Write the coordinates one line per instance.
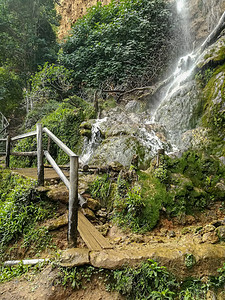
(91, 145)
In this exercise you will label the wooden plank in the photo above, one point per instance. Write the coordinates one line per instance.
(89, 229)
(31, 153)
(87, 237)
(25, 135)
(73, 203)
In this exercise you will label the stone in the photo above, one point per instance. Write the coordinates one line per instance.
(58, 193)
(210, 237)
(197, 239)
(86, 125)
(88, 213)
(208, 228)
(74, 257)
(85, 132)
(102, 213)
(171, 234)
(57, 223)
(137, 238)
(210, 295)
(221, 296)
(93, 204)
(220, 186)
(221, 232)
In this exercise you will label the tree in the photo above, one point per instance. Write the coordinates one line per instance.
(125, 42)
(10, 92)
(27, 37)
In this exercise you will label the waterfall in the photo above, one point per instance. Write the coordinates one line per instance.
(183, 12)
(179, 101)
(90, 145)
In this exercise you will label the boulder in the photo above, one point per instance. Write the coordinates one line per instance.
(74, 257)
(221, 232)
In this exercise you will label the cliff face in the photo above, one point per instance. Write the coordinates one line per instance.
(71, 10)
(204, 15)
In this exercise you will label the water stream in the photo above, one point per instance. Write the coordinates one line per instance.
(90, 145)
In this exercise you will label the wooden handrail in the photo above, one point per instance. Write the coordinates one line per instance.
(71, 184)
(59, 142)
(23, 136)
(57, 169)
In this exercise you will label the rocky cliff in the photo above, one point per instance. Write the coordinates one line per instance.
(71, 10)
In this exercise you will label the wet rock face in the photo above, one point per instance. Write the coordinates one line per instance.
(126, 135)
(204, 15)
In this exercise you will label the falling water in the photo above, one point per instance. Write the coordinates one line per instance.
(90, 145)
(179, 101)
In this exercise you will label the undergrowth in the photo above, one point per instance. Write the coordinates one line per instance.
(21, 208)
(8, 273)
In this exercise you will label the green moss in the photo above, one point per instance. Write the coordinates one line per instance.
(214, 95)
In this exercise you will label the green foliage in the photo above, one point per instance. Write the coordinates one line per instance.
(214, 114)
(20, 209)
(120, 43)
(203, 170)
(50, 82)
(193, 289)
(40, 111)
(8, 273)
(149, 281)
(10, 93)
(64, 122)
(204, 76)
(161, 171)
(100, 188)
(36, 239)
(76, 277)
(190, 260)
(128, 210)
(138, 207)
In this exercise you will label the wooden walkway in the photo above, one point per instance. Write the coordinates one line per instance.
(90, 235)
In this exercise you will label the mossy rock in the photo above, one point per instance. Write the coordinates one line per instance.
(86, 125)
(86, 132)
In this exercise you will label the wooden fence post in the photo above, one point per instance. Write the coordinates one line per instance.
(8, 148)
(73, 203)
(40, 165)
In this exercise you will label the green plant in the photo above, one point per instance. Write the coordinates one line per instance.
(36, 239)
(64, 122)
(190, 260)
(20, 209)
(8, 273)
(161, 172)
(149, 281)
(76, 277)
(51, 82)
(100, 188)
(128, 210)
(193, 289)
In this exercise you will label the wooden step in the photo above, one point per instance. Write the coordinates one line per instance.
(91, 236)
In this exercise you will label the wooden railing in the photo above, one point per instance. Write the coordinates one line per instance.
(4, 124)
(71, 183)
